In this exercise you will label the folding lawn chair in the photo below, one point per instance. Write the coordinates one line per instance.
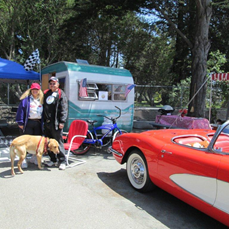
(75, 137)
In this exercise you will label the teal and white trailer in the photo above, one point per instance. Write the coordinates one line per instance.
(106, 88)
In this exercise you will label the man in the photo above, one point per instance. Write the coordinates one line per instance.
(55, 116)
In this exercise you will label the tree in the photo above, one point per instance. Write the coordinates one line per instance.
(27, 25)
(200, 50)
(197, 42)
(113, 34)
(218, 35)
(99, 40)
(199, 47)
(220, 93)
(9, 27)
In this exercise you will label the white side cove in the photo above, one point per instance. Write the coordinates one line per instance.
(210, 190)
(201, 187)
(222, 199)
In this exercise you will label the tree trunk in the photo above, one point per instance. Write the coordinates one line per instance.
(199, 58)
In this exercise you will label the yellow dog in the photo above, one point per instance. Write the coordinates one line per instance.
(33, 145)
(203, 144)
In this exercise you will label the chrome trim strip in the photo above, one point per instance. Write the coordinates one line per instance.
(110, 150)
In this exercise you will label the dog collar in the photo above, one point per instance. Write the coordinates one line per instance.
(45, 145)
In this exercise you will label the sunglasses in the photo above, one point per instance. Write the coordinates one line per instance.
(52, 83)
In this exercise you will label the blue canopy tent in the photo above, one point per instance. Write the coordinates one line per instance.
(10, 70)
(12, 73)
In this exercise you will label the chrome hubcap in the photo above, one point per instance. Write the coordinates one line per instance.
(138, 171)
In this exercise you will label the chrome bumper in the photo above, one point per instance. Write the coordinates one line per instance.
(110, 150)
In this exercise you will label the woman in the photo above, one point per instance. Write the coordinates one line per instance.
(29, 113)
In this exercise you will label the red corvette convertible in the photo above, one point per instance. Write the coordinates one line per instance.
(192, 165)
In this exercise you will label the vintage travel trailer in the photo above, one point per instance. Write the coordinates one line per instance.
(106, 89)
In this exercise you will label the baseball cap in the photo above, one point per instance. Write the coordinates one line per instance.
(35, 86)
(53, 78)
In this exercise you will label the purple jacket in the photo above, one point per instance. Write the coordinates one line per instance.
(23, 113)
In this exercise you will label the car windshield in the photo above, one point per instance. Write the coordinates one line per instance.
(221, 144)
(226, 130)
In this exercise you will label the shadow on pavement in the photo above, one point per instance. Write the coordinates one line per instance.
(7, 166)
(161, 205)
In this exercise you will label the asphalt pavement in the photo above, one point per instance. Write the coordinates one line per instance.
(94, 195)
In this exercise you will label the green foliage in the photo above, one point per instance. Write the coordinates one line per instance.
(179, 97)
(216, 61)
(27, 25)
(157, 97)
(149, 57)
(219, 22)
(113, 33)
(221, 4)
(220, 91)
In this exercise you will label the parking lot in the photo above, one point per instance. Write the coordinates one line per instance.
(96, 194)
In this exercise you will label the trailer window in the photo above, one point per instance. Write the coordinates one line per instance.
(62, 83)
(105, 92)
(119, 92)
(91, 91)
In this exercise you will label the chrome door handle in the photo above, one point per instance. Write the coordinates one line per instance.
(164, 151)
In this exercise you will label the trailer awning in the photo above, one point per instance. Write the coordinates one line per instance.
(220, 76)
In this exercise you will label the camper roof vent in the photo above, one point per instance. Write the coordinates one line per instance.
(79, 61)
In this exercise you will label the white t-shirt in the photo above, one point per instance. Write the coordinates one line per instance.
(36, 108)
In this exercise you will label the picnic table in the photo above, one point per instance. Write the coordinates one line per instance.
(186, 122)
(162, 126)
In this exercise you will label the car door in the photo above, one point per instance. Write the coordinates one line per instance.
(222, 200)
(185, 169)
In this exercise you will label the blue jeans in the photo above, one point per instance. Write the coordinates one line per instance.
(51, 132)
